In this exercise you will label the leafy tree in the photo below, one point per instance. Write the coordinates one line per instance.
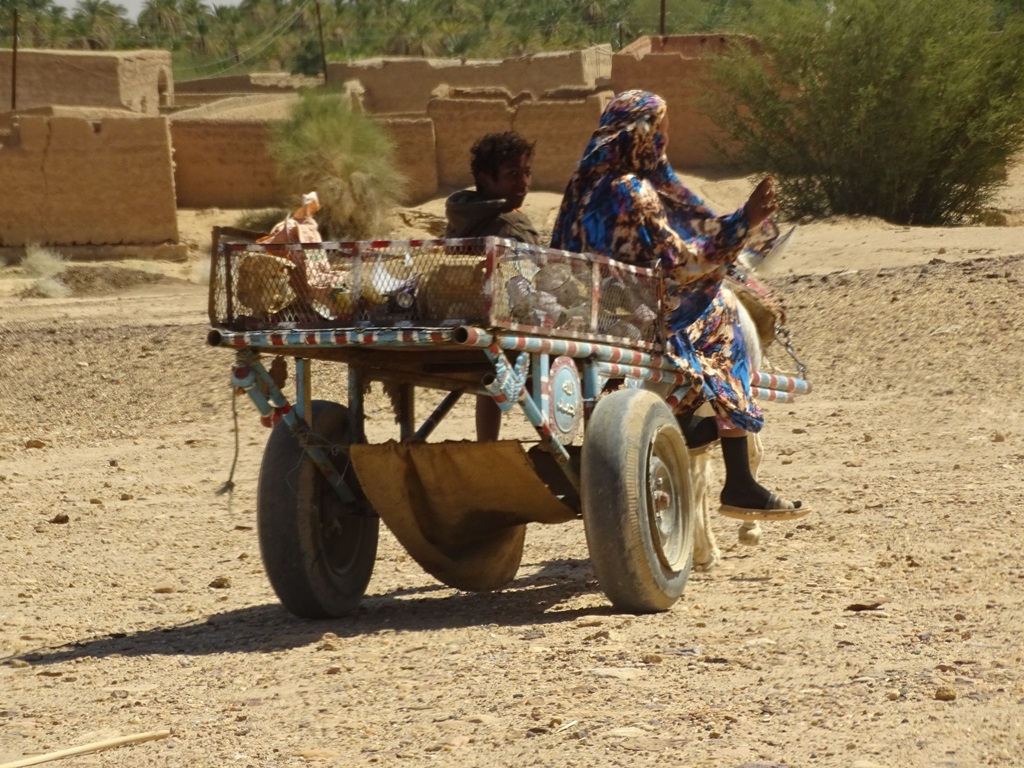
(162, 21)
(1008, 9)
(226, 32)
(344, 156)
(265, 13)
(197, 20)
(99, 24)
(41, 23)
(689, 16)
(904, 109)
(306, 58)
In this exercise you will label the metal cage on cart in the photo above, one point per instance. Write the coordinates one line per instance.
(489, 282)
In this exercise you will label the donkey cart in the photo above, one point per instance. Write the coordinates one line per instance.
(570, 340)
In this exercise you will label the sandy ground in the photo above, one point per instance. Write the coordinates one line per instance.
(883, 630)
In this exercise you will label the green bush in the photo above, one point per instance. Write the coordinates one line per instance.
(345, 158)
(908, 110)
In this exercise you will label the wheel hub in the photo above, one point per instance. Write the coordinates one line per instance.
(339, 545)
(667, 513)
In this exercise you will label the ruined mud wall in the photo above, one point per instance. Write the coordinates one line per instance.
(458, 122)
(676, 68)
(259, 82)
(222, 151)
(139, 81)
(405, 84)
(226, 163)
(560, 130)
(559, 127)
(415, 148)
(223, 163)
(222, 154)
(72, 181)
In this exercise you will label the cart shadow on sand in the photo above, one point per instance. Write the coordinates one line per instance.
(530, 601)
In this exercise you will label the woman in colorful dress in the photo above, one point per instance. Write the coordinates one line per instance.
(624, 201)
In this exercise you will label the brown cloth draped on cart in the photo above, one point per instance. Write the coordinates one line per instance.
(460, 509)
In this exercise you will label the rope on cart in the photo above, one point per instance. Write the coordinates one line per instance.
(229, 486)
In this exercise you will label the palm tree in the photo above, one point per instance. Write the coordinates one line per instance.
(163, 21)
(197, 18)
(226, 32)
(98, 23)
(265, 13)
(41, 23)
(54, 27)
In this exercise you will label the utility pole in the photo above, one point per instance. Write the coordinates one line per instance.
(14, 65)
(323, 54)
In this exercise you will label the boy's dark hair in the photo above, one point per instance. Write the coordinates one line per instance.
(492, 151)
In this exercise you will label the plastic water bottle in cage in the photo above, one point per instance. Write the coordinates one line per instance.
(519, 292)
(644, 318)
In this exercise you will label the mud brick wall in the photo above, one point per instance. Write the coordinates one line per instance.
(139, 81)
(676, 69)
(560, 131)
(220, 163)
(257, 82)
(458, 122)
(405, 84)
(543, 71)
(225, 164)
(72, 181)
(415, 148)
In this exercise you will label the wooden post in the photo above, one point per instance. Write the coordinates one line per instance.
(323, 54)
(95, 746)
(14, 65)
(661, 24)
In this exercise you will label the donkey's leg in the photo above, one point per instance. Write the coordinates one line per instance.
(750, 531)
(706, 554)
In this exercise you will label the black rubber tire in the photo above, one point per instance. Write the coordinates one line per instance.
(635, 461)
(317, 551)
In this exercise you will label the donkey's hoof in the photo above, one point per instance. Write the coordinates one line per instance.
(750, 534)
(707, 559)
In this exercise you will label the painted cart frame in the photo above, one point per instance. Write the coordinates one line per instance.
(570, 340)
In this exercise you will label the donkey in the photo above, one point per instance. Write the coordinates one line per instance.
(706, 554)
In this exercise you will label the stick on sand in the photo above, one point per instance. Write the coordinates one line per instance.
(95, 746)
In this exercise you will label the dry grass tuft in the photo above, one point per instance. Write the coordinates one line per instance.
(42, 262)
(51, 288)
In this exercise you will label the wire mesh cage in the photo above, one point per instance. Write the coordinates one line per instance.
(490, 282)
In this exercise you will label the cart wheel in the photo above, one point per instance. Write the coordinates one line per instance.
(637, 501)
(318, 552)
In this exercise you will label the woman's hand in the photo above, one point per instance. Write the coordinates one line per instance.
(761, 203)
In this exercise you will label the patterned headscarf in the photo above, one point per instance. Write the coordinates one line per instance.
(628, 138)
(628, 141)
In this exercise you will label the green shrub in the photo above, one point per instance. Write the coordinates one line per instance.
(908, 110)
(345, 158)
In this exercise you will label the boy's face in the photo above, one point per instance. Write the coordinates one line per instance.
(511, 183)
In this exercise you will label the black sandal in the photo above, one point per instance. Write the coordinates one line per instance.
(775, 508)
